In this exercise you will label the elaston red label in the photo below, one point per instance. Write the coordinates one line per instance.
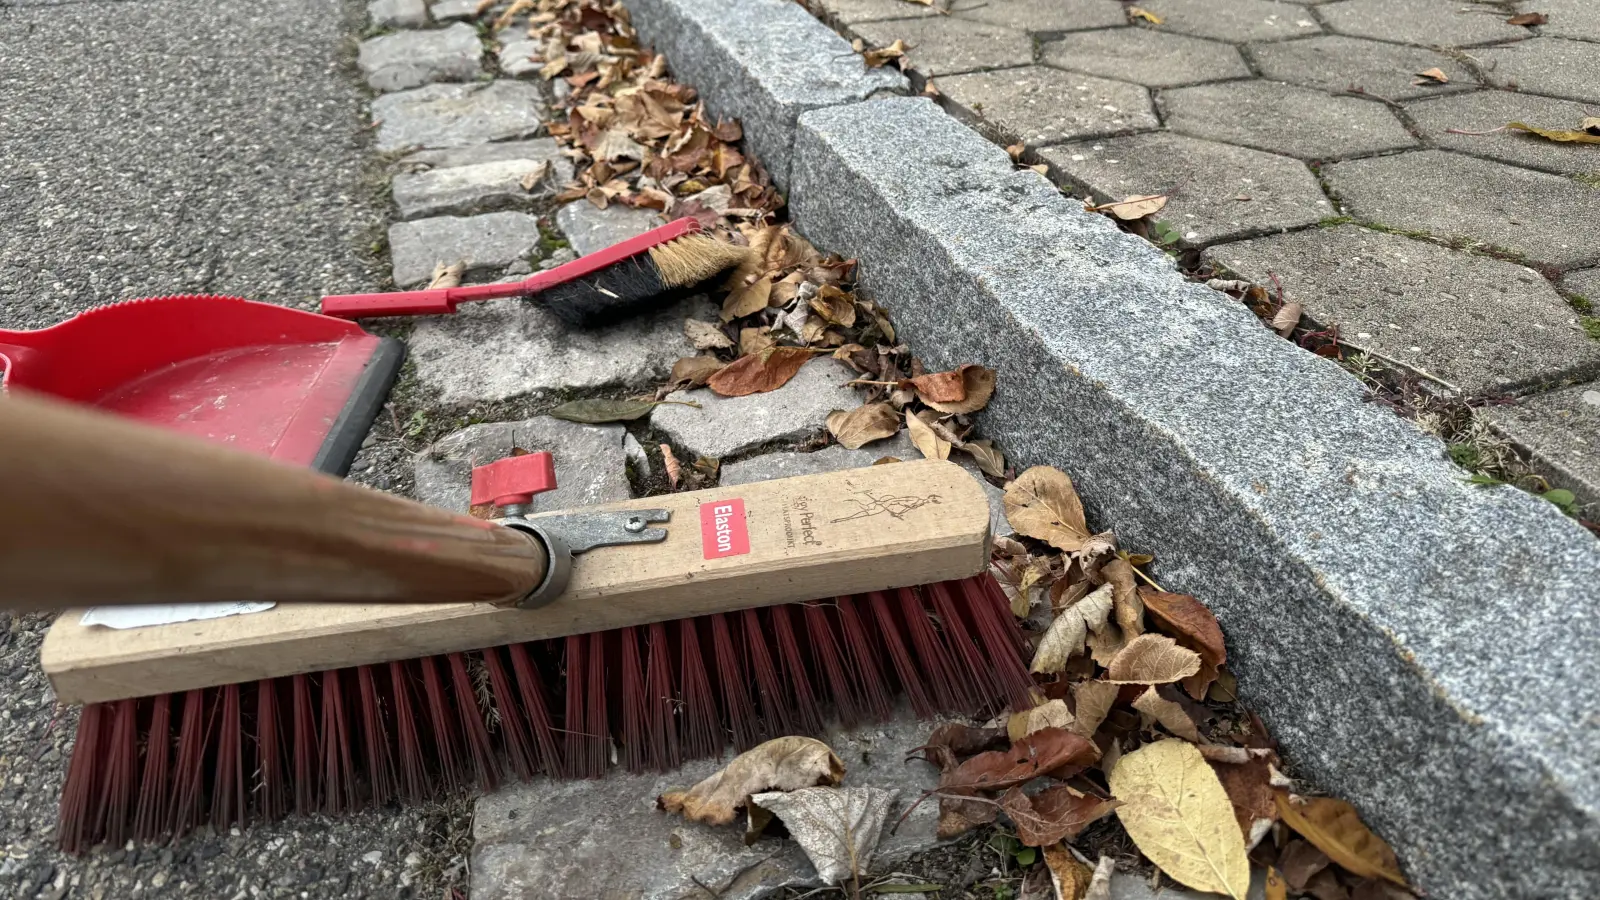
(722, 529)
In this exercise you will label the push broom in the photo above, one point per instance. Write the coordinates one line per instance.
(646, 632)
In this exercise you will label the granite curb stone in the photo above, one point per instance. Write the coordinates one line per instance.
(1309, 520)
(763, 62)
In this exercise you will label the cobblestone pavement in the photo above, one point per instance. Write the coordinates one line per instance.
(1298, 140)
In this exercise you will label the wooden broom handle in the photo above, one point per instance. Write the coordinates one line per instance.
(96, 509)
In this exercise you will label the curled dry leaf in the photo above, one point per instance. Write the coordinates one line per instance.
(694, 371)
(781, 764)
(1042, 503)
(1432, 76)
(1175, 810)
(1152, 659)
(1055, 814)
(447, 276)
(1070, 878)
(1126, 606)
(1300, 862)
(876, 58)
(1050, 714)
(1585, 136)
(953, 740)
(1168, 714)
(705, 335)
(977, 387)
(1139, 12)
(1529, 18)
(1277, 888)
(988, 457)
(1131, 208)
(744, 301)
(834, 306)
(925, 439)
(1250, 790)
(838, 828)
(1287, 317)
(1093, 700)
(1192, 624)
(864, 424)
(755, 340)
(759, 372)
(1049, 750)
(670, 463)
(1336, 829)
(1066, 635)
(1100, 884)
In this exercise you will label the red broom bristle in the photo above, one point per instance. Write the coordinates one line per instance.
(634, 703)
(413, 782)
(995, 630)
(775, 707)
(518, 744)
(379, 762)
(338, 775)
(531, 688)
(120, 765)
(808, 713)
(702, 732)
(904, 669)
(596, 726)
(148, 819)
(958, 636)
(441, 728)
(78, 791)
(863, 658)
(830, 662)
(663, 749)
(951, 690)
(190, 772)
(485, 766)
(269, 751)
(304, 748)
(227, 787)
(737, 710)
(997, 600)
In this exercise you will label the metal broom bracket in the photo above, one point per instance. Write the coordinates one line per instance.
(511, 484)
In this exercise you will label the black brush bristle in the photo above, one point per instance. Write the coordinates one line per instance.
(610, 295)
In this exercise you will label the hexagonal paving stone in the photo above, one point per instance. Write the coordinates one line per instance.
(850, 12)
(1562, 428)
(1551, 66)
(1335, 63)
(1283, 118)
(1041, 15)
(1585, 283)
(1568, 18)
(1546, 218)
(1235, 20)
(1481, 324)
(945, 45)
(1039, 105)
(1145, 56)
(1218, 191)
(1426, 23)
(1488, 110)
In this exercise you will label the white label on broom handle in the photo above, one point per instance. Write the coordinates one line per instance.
(166, 613)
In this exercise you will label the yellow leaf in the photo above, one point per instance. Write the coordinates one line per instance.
(1138, 12)
(1277, 888)
(1169, 714)
(925, 440)
(1152, 659)
(988, 457)
(1132, 208)
(864, 424)
(1549, 134)
(1335, 828)
(1175, 810)
(1071, 878)
(835, 306)
(1094, 700)
(1053, 714)
(1043, 504)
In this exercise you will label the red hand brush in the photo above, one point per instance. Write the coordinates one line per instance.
(602, 287)
(665, 644)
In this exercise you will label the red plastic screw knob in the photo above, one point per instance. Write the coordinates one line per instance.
(513, 480)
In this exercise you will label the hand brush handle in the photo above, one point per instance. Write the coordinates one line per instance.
(97, 509)
(442, 301)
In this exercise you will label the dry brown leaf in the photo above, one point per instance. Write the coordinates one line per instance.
(1138, 12)
(834, 306)
(944, 387)
(988, 457)
(1553, 134)
(1528, 18)
(781, 764)
(977, 387)
(1130, 208)
(876, 58)
(958, 816)
(759, 372)
(953, 740)
(1055, 814)
(864, 424)
(925, 439)
(1192, 625)
(1070, 878)
(670, 463)
(1277, 888)
(1168, 714)
(1050, 714)
(1287, 317)
(535, 176)
(1042, 503)
(705, 335)
(1300, 862)
(447, 276)
(755, 340)
(1336, 829)
(1432, 76)
(1093, 700)
(694, 371)
(747, 300)
(1152, 659)
(1128, 608)
(1325, 885)
(1066, 636)
(1047, 751)
(1175, 810)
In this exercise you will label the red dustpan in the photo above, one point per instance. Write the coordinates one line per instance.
(290, 385)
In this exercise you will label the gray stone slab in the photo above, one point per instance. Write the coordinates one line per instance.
(486, 243)
(1483, 325)
(457, 115)
(1335, 64)
(1218, 191)
(1554, 67)
(1040, 105)
(1426, 23)
(1282, 118)
(1488, 110)
(725, 426)
(762, 62)
(1042, 15)
(536, 149)
(408, 59)
(397, 13)
(1307, 518)
(849, 12)
(1579, 19)
(1146, 56)
(606, 839)
(1236, 21)
(453, 10)
(464, 190)
(519, 58)
(509, 348)
(1584, 283)
(947, 45)
(591, 467)
(589, 228)
(1545, 218)
(1562, 430)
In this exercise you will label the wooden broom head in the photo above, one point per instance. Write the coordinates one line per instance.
(731, 548)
